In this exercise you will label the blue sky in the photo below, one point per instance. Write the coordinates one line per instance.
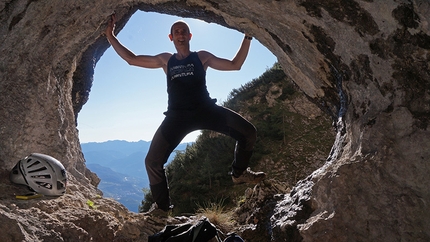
(127, 102)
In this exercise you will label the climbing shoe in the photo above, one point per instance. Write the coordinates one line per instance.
(249, 177)
(155, 211)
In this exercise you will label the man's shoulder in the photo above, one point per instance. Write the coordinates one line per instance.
(165, 55)
(203, 52)
(204, 55)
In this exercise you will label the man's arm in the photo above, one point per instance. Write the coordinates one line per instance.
(210, 60)
(157, 61)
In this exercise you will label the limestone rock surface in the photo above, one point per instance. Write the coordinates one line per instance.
(366, 63)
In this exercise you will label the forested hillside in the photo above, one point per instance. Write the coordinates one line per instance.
(294, 138)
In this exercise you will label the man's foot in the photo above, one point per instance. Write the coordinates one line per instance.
(157, 212)
(249, 176)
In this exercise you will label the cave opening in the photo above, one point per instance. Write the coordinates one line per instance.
(127, 102)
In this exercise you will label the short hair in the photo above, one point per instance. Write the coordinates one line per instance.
(179, 22)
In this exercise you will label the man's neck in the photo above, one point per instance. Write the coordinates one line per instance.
(182, 53)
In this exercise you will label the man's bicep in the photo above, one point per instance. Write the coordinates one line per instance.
(155, 61)
(220, 64)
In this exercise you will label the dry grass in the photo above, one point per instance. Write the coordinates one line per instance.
(217, 215)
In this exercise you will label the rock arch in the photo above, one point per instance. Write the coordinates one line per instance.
(364, 62)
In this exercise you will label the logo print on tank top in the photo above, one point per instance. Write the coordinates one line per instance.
(181, 71)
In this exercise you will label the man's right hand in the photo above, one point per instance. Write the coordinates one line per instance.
(111, 25)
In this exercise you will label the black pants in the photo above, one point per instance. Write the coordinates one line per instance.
(177, 124)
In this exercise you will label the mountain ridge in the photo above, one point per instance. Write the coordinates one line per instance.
(121, 168)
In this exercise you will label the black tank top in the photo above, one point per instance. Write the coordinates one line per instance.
(186, 83)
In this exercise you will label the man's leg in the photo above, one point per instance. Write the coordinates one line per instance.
(245, 134)
(166, 138)
(157, 156)
(228, 122)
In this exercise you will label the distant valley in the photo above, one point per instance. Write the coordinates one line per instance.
(120, 166)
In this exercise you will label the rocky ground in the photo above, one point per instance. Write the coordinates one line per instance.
(84, 215)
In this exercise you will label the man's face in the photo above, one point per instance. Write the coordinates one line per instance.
(180, 34)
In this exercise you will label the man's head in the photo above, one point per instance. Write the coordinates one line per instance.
(180, 31)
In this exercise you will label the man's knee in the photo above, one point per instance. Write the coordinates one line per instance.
(152, 162)
(155, 170)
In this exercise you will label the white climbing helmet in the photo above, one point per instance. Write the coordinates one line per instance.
(42, 173)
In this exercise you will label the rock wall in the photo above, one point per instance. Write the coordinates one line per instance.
(364, 62)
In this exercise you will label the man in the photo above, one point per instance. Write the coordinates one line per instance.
(190, 108)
